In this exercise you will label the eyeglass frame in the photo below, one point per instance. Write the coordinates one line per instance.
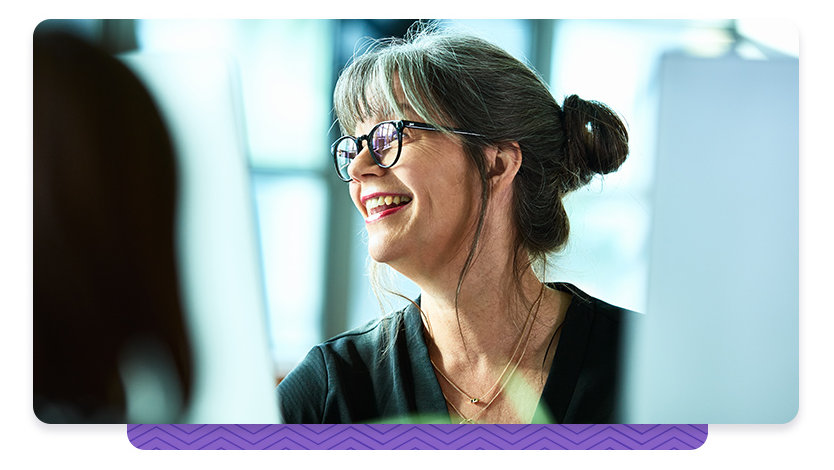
(399, 125)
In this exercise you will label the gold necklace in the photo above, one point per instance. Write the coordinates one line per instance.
(474, 400)
(473, 419)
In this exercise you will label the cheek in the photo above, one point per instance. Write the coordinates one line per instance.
(460, 187)
(457, 208)
(467, 186)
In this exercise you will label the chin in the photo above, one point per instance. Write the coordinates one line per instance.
(380, 254)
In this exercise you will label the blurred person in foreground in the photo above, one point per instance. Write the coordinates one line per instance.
(110, 343)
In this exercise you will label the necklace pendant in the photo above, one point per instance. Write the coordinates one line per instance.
(473, 400)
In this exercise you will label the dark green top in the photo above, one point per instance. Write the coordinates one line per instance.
(381, 372)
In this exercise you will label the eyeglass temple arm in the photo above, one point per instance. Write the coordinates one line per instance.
(429, 127)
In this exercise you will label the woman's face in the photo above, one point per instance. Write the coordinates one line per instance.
(437, 189)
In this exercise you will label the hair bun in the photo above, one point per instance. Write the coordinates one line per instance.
(597, 140)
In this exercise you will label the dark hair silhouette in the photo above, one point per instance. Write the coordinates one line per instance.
(106, 288)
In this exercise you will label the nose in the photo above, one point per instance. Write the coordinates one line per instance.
(363, 166)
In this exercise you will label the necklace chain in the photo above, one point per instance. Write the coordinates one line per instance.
(501, 378)
(473, 419)
(483, 396)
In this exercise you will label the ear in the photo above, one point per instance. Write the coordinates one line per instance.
(503, 162)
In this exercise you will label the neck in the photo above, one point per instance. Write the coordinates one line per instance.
(485, 316)
(498, 326)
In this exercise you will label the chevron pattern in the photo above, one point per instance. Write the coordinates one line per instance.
(419, 437)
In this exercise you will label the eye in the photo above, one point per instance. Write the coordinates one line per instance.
(384, 137)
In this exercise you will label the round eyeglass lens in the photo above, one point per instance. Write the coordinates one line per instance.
(345, 152)
(385, 142)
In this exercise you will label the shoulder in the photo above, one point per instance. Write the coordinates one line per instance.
(343, 361)
(358, 345)
(589, 359)
(599, 310)
(603, 325)
(364, 342)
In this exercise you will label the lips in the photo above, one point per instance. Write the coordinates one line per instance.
(380, 205)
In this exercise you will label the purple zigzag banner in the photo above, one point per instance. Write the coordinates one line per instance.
(416, 437)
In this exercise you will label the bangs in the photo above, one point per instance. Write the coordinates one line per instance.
(365, 91)
(387, 83)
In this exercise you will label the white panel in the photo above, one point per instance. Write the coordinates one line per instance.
(720, 340)
(291, 215)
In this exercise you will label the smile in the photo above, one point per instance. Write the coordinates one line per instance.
(381, 206)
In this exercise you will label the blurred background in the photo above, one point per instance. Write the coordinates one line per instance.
(272, 248)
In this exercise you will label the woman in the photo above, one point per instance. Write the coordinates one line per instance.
(459, 166)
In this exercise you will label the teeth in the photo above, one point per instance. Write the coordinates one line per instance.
(385, 200)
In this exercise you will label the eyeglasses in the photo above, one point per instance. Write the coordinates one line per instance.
(384, 141)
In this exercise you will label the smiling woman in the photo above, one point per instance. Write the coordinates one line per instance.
(458, 157)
